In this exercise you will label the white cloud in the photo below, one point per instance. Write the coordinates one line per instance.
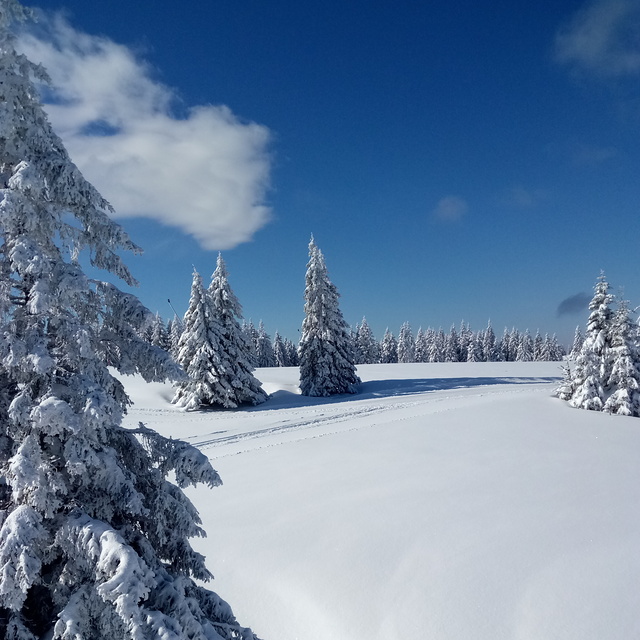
(450, 209)
(602, 38)
(206, 174)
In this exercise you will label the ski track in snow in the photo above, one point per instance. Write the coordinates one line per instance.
(290, 420)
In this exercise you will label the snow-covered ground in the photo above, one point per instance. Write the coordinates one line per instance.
(445, 501)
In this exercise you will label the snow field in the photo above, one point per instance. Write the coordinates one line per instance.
(445, 501)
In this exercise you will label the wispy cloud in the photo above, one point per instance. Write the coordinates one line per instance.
(450, 209)
(602, 38)
(206, 173)
(573, 305)
(522, 198)
(592, 155)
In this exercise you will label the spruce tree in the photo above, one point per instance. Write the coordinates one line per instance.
(326, 355)
(422, 346)
(585, 381)
(292, 353)
(623, 383)
(214, 350)
(175, 332)
(524, 352)
(489, 350)
(264, 349)
(388, 348)
(279, 351)
(94, 536)
(406, 344)
(577, 343)
(452, 346)
(367, 344)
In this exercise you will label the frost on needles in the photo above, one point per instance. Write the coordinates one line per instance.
(94, 539)
(214, 350)
(326, 349)
(603, 373)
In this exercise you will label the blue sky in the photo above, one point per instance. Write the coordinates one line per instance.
(465, 160)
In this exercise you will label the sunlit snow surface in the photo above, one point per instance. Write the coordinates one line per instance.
(445, 501)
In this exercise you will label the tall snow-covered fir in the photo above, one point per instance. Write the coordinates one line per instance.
(214, 350)
(94, 539)
(605, 372)
(326, 351)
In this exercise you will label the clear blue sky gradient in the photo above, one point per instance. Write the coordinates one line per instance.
(379, 110)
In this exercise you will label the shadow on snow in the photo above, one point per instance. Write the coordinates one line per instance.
(283, 399)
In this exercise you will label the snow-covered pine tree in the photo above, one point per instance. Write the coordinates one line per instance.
(624, 381)
(452, 346)
(464, 338)
(422, 346)
(489, 351)
(436, 346)
(264, 349)
(585, 380)
(251, 334)
(292, 352)
(94, 538)
(177, 327)
(388, 348)
(214, 351)
(515, 338)
(525, 348)
(505, 351)
(367, 344)
(159, 333)
(406, 344)
(326, 355)
(578, 339)
(279, 351)
(474, 350)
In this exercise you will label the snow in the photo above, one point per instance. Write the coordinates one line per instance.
(444, 501)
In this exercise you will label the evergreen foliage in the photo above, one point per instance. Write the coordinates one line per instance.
(406, 344)
(326, 355)
(605, 374)
(388, 348)
(264, 349)
(214, 351)
(367, 344)
(280, 352)
(94, 538)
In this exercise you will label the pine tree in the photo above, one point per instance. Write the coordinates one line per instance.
(489, 351)
(585, 380)
(326, 355)
(578, 339)
(177, 328)
(94, 538)
(251, 335)
(452, 346)
(515, 338)
(388, 348)
(367, 345)
(158, 333)
(464, 338)
(624, 381)
(422, 346)
(214, 351)
(264, 349)
(505, 346)
(292, 353)
(436, 346)
(525, 348)
(406, 344)
(279, 351)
